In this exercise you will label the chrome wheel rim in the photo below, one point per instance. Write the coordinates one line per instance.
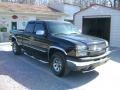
(57, 64)
(14, 47)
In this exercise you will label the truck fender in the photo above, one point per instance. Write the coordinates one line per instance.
(13, 38)
(58, 48)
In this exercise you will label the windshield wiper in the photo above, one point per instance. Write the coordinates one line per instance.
(74, 33)
(60, 34)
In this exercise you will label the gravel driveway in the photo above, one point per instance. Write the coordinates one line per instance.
(25, 73)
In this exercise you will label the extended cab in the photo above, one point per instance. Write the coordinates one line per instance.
(64, 46)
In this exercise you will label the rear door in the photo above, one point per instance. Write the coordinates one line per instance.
(28, 33)
(38, 42)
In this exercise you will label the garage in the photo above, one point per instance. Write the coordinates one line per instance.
(99, 27)
(100, 21)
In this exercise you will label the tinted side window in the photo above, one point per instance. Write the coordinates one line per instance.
(39, 26)
(30, 27)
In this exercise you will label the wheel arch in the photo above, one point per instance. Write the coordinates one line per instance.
(53, 49)
(13, 39)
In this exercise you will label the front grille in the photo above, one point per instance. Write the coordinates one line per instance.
(97, 49)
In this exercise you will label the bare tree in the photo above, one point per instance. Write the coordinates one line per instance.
(117, 4)
(86, 3)
(26, 1)
(81, 3)
(20, 1)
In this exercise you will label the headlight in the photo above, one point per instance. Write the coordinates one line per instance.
(81, 50)
(107, 45)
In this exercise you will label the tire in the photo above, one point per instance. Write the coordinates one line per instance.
(58, 64)
(16, 48)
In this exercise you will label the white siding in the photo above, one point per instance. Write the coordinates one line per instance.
(22, 21)
(103, 11)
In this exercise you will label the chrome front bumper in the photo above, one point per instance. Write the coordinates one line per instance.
(88, 65)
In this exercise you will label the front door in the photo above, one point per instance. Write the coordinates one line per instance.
(39, 42)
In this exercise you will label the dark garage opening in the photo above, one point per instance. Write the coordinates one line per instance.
(99, 27)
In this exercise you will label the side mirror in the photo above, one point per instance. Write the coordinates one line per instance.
(40, 32)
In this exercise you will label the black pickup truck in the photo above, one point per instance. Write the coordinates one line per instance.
(65, 47)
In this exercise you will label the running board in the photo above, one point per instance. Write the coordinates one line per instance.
(36, 58)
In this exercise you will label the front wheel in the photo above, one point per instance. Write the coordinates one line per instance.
(58, 64)
(16, 48)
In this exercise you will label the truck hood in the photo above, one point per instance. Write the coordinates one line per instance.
(85, 39)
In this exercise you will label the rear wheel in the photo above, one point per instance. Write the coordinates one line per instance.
(58, 64)
(16, 48)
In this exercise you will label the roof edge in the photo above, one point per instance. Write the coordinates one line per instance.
(95, 5)
(90, 7)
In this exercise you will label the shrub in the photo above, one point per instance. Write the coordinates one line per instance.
(3, 29)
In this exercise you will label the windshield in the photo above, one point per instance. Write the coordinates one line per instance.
(62, 28)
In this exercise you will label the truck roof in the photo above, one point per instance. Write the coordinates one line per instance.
(55, 21)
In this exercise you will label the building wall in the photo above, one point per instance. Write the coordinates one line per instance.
(6, 20)
(49, 17)
(99, 11)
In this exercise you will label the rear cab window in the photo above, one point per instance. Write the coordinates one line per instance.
(30, 27)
